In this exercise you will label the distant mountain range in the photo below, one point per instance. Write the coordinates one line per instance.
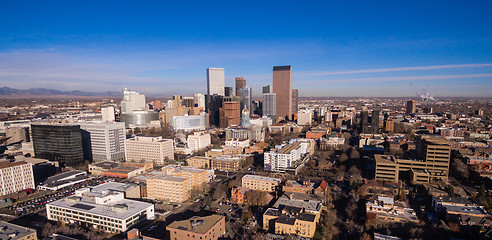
(6, 92)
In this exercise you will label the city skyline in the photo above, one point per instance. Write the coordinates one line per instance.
(347, 49)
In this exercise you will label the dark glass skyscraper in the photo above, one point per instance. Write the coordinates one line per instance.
(58, 142)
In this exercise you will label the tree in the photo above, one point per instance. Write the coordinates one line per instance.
(256, 198)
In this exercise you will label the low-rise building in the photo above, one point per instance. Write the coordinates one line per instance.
(101, 208)
(261, 183)
(226, 163)
(237, 143)
(97, 169)
(198, 177)
(198, 162)
(257, 148)
(238, 194)
(124, 172)
(223, 151)
(65, 179)
(210, 227)
(385, 208)
(299, 187)
(290, 220)
(9, 231)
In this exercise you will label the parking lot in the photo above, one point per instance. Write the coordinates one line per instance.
(38, 200)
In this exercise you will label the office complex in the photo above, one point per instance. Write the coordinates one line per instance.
(209, 227)
(240, 83)
(189, 123)
(411, 106)
(15, 176)
(260, 183)
(266, 89)
(435, 154)
(103, 141)
(101, 207)
(149, 149)
(215, 81)
(132, 101)
(139, 118)
(58, 142)
(270, 105)
(282, 86)
(230, 114)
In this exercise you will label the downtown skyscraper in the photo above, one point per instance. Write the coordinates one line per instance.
(215, 81)
(282, 87)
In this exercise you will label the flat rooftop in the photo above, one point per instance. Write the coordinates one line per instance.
(86, 206)
(201, 224)
(261, 178)
(298, 200)
(287, 149)
(12, 231)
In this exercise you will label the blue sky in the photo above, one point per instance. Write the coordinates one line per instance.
(336, 48)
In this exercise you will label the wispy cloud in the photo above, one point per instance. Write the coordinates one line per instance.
(400, 78)
(396, 69)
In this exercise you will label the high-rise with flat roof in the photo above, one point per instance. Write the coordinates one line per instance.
(230, 114)
(245, 98)
(295, 100)
(270, 105)
(411, 106)
(58, 142)
(282, 86)
(240, 83)
(215, 81)
(103, 141)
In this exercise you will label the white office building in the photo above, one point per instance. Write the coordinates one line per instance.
(304, 117)
(189, 123)
(270, 105)
(108, 114)
(198, 140)
(101, 207)
(199, 100)
(104, 141)
(149, 149)
(15, 176)
(132, 101)
(215, 81)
